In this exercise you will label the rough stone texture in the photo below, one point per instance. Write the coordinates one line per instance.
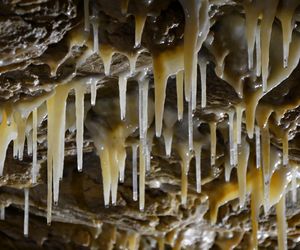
(32, 32)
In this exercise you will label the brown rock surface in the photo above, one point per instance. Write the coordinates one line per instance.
(37, 54)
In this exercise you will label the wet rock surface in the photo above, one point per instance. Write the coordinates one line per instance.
(37, 54)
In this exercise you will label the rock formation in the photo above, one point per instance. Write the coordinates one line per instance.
(134, 124)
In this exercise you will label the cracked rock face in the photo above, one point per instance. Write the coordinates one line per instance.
(134, 124)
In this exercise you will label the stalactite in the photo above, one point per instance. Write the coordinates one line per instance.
(179, 88)
(106, 176)
(251, 29)
(253, 12)
(185, 156)
(257, 147)
(58, 114)
(165, 64)
(148, 159)
(190, 125)
(121, 160)
(34, 145)
(266, 30)
(8, 133)
(258, 50)
(193, 99)
(122, 95)
(50, 132)
(239, 116)
(202, 66)
(143, 110)
(285, 15)
(79, 103)
(255, 205)
(231, 138)
(168, 137)
(139, 26)
(134, 172)
(170, 119)
(242, 171)
(265, 136)
(191, 31)
(198, 149)
(29, 142)
(114, 173)
(95, 25)
(213, 142)
(106, 53)
(21, 127)
(93, 83)
(143, 126)
(142, 177)
(281, 224)
(150, 135)
(26, 211)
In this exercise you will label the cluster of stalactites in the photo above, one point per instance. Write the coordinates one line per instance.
(260, 16)
(21, 121)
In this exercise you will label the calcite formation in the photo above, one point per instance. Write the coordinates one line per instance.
(134, 124)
